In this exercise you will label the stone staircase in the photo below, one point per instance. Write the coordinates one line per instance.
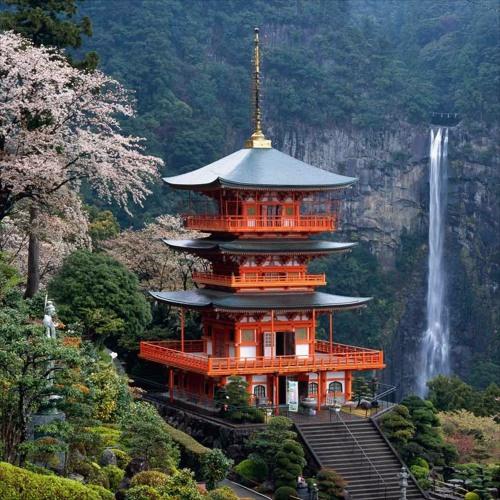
(358, 451)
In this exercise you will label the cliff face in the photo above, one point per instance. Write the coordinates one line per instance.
(391, 199)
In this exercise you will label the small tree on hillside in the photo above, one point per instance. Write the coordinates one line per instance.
(289, 464)
(268, 442)
(215, 467)
(98, 292)
(331, 485)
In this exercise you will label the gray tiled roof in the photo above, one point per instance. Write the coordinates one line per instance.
(260, 168)
(280, 246)
(224, 301)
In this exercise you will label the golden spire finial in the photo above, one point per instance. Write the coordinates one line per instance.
(257, 139)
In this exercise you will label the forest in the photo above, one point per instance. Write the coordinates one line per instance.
(100, 99)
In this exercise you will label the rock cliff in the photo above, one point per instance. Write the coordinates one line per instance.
(391, 200)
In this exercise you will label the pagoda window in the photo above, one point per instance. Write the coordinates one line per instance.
(335, 387)
(259, 391)
(247, 336)
(312, 389)
(301, 334)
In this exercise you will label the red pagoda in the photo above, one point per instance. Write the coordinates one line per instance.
(259, 306)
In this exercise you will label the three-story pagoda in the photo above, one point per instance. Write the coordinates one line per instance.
(259, 305)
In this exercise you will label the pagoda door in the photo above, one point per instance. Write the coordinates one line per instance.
(220, 344)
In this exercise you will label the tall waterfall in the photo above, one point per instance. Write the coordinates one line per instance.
(435, 341)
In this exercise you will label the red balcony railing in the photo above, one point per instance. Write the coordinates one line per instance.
(257, 281)
(342, 358)
(281, 224)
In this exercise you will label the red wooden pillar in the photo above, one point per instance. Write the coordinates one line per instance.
(320, 391)
(275, 393)
(182, 329)
(273, 339)
(331, 332)
(348, 385)
(171, 384)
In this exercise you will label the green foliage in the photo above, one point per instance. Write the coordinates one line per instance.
(114, 475)
(222, 493)
(253, 469)
(234, 401)
(289, 463)
(142, 492)
(52, 22)
(427, 441)
(284, 493)
(110, 394)
(266, 444)
(100, 293)
(16, 483)
(102, 225)
(24, 371)
(144, 434)
(191, 450)
(122, 457)
(330, 484)
(471, 496)
(181, 486)
(215, 467)
(450, 393)
(397, 426)
(152, 478)
(9, 278)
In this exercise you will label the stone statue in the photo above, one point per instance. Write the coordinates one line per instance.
(48, 322)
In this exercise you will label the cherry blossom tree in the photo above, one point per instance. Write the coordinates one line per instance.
(59, 129)
(156, 266)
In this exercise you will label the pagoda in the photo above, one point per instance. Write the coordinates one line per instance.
(259, 306)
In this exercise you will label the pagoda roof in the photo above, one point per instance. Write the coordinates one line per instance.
(260, 168)
(205, 298)
(254, 247)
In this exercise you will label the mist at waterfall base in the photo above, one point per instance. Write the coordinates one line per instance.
(435, 343)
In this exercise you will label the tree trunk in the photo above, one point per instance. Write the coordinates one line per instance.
(33, 283)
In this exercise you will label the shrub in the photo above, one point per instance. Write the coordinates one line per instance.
(152, 478)
(142, 492)
(471, 496)
(289, 464)
(252, 469)
(181, 485)
(145, 434)
(284, 493)
(191, 450)
(419, 472)
(222, 493)
(114, 475)
(330, 484)
(214, 467)
(122, 457)
(15, 482)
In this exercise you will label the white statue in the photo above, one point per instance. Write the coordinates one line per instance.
(48, 322)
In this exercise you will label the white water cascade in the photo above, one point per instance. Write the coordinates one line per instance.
(435, 346)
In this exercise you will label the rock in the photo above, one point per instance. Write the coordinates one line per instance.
(108, 457)
(76, 477)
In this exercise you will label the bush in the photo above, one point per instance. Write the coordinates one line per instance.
(152, 478)
(114, 475)
(284, 493)
(145, 434)
(419, 472)
(331, 484)
(471, 496)
(15, 482)
(122, 457)
(252, 470)
(142, 492)
(181, 485)
(222, 493)
(289, 464)
(214, 467)
(191, 450)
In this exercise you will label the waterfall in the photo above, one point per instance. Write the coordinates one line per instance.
(434, 354)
